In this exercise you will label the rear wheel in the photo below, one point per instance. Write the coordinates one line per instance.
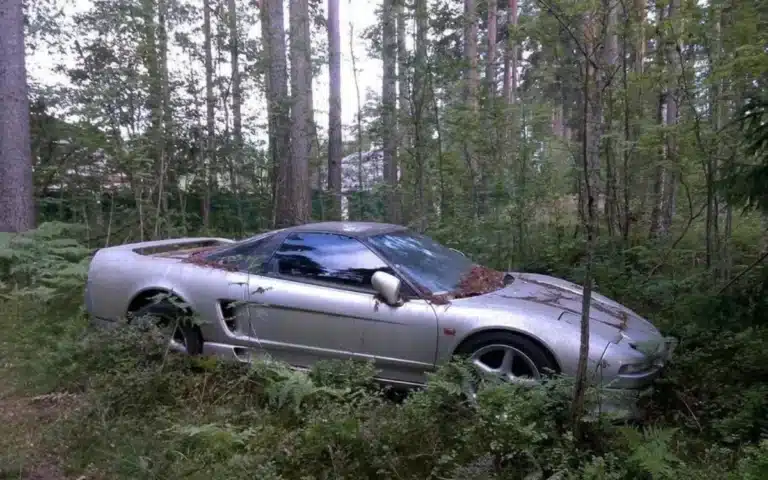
(174, 323)
(508, 356)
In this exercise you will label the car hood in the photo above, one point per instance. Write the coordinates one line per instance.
(607, 316)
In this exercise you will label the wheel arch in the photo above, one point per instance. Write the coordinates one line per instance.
(477, 333)
(144, 298)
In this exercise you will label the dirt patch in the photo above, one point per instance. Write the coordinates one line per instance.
(25, 421)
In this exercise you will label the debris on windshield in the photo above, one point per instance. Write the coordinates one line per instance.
(478, 281)
(199, 258)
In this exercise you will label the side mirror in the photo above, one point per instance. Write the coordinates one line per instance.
(388, 286)
(458, 251)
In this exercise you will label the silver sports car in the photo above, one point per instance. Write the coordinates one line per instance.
(371, 291)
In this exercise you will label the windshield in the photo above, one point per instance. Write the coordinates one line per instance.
(433, 266)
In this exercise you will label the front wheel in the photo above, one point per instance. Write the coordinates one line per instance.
(508, 356)
(174, 322)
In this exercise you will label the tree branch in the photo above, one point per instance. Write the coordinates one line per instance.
(743, 272)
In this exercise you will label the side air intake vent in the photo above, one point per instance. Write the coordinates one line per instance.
(228, 312)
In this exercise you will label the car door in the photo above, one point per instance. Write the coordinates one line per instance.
(402, 339)
(317, 301)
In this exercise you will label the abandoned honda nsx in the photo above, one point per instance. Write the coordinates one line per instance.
(369, 291)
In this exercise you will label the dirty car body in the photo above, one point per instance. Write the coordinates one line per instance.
(372, 291)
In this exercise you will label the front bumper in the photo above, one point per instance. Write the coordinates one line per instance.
(651, 359)
(620, 395)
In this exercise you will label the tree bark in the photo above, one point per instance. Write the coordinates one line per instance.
(471, 80)
(420, 107)
(297, 208)
(17, 212)
(666, 181)
(237, 117)
(210, 105)
(166, 145)
(334, 109)
(509, 87)
(610, 59)
(470, 53)
(273, 33)
(594, 83)
(403, 110)
(389, 108)
(490, 67)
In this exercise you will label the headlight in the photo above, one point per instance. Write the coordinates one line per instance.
(631, 368)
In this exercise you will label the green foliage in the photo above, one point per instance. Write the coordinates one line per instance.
(43, 263)
(745, 183)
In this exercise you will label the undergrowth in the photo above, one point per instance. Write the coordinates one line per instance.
(145, 414)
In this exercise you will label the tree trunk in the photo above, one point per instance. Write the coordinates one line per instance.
(297, 208)
(273, 34)
(17, 211)
(509, 87)
(471, 81)
(610, 59)
(490, 67)
(237, 118)
(589, 224)
(420, 106)
(155, 99)
(389, 108)
(359, 120)
(210, 105)
(334, 109)
(166, 146)
(470, 53)
(594, 83)
(403, 106)
(665, 198)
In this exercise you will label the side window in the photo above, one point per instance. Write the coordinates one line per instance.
(249, 256)
(323, 257)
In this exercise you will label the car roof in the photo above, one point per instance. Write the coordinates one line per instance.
(352, 229)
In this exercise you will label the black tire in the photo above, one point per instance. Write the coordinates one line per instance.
(543, 361)
(169, 315)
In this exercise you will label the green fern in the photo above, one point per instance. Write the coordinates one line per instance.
(651, 452)
(43, 263)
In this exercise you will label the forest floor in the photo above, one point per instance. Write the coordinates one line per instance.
(26, 420)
